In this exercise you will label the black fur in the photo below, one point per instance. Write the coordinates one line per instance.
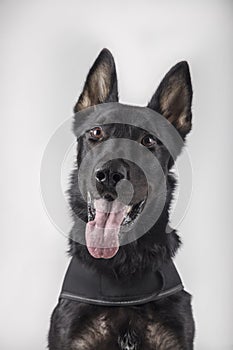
(162, 325)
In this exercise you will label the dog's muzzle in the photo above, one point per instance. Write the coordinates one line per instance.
(110, 208)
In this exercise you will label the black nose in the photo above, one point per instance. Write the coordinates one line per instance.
(107, 176)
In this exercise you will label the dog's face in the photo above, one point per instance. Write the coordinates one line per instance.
(106, 213)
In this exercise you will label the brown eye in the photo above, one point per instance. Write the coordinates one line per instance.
(96, 133)
(148, 141)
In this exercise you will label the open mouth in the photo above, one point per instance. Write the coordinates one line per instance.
(105, 220)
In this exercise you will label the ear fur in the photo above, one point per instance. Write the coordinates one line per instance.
(173, 98)
(101, 83)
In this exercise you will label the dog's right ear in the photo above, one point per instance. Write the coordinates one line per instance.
(101, 83)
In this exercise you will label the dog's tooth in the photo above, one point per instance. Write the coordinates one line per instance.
(88, 197)
(128, 209)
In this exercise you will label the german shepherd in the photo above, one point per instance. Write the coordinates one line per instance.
(164, 324)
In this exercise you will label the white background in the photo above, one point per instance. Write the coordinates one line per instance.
(47, 48)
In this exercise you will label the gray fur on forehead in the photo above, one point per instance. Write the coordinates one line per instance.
(113, 112)
(141, 117)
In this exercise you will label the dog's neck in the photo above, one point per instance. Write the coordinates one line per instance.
(84, 284)
(150, 251)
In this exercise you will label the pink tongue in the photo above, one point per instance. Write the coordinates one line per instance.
(102, 233)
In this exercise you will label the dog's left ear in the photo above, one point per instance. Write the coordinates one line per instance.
(101, 83)
(173, 98)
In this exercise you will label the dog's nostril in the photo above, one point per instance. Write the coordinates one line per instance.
(116, 177)
(100, 176)
(103, 175)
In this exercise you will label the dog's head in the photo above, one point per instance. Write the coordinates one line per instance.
(115, 184)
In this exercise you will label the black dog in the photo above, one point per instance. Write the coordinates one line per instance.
(161, 320)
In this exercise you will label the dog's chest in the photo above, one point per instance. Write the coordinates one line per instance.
(124, 329)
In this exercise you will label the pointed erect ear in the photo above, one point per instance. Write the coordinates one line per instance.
(101, 83)
(173, 98)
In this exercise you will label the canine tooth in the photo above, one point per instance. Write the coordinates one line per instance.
(88, 197)
(128, 209)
